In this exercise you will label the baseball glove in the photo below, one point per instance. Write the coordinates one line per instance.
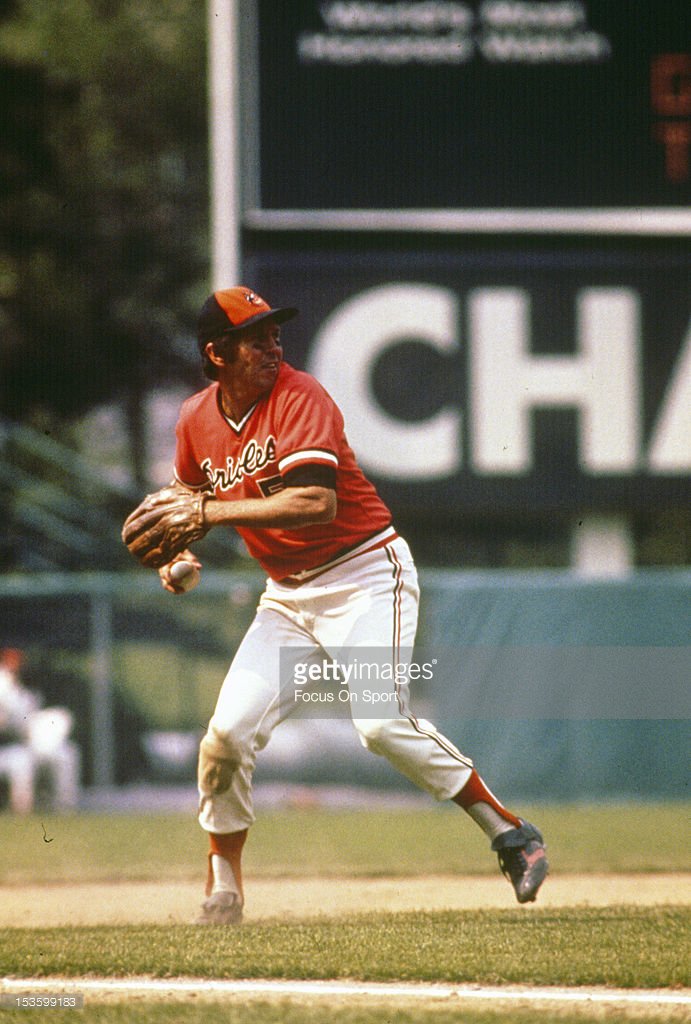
(164, 524)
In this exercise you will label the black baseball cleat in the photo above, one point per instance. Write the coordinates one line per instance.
(522, 858)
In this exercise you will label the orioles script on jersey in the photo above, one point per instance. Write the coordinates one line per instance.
(252, 458)
(296, 424)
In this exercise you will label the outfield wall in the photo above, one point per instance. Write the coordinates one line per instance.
(567, 689)
(557, 687)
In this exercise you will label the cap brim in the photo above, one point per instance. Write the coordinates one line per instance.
(279, 315)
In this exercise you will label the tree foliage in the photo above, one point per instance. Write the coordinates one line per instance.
(103, 169)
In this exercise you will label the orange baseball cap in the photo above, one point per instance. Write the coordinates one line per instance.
(233, 309)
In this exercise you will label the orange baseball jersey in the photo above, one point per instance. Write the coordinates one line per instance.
(297, 424)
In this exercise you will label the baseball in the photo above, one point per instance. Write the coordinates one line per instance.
(184, 575)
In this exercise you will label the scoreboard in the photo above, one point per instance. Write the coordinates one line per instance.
(486, 105)
(481, 208)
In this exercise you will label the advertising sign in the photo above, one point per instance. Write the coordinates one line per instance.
(500, 380)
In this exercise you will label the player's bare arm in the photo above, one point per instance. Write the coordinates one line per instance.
(289, 509)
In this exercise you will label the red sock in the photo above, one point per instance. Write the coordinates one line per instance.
(475, 792)
(229, 846)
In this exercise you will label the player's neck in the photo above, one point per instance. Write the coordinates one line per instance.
(237, 403)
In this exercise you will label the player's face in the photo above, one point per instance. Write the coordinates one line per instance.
(258, 357)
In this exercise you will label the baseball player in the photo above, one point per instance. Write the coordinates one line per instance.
(263, 449)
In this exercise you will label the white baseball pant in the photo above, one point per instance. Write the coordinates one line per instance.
(369, 601)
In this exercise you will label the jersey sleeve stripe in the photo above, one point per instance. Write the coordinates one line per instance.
(308, 455)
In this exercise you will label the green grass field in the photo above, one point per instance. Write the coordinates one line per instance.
(613, 946)
(621, 947)
(325, 843)
(286, 1012)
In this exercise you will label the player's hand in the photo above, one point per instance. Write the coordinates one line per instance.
(164, 573)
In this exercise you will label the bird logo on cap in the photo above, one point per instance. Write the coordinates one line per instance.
(254, 299)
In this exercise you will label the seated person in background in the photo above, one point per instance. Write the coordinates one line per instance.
(34, 742)
(17, 705)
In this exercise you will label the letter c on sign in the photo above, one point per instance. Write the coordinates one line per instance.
(345, 349)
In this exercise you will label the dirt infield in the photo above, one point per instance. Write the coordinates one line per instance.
(42, 906)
